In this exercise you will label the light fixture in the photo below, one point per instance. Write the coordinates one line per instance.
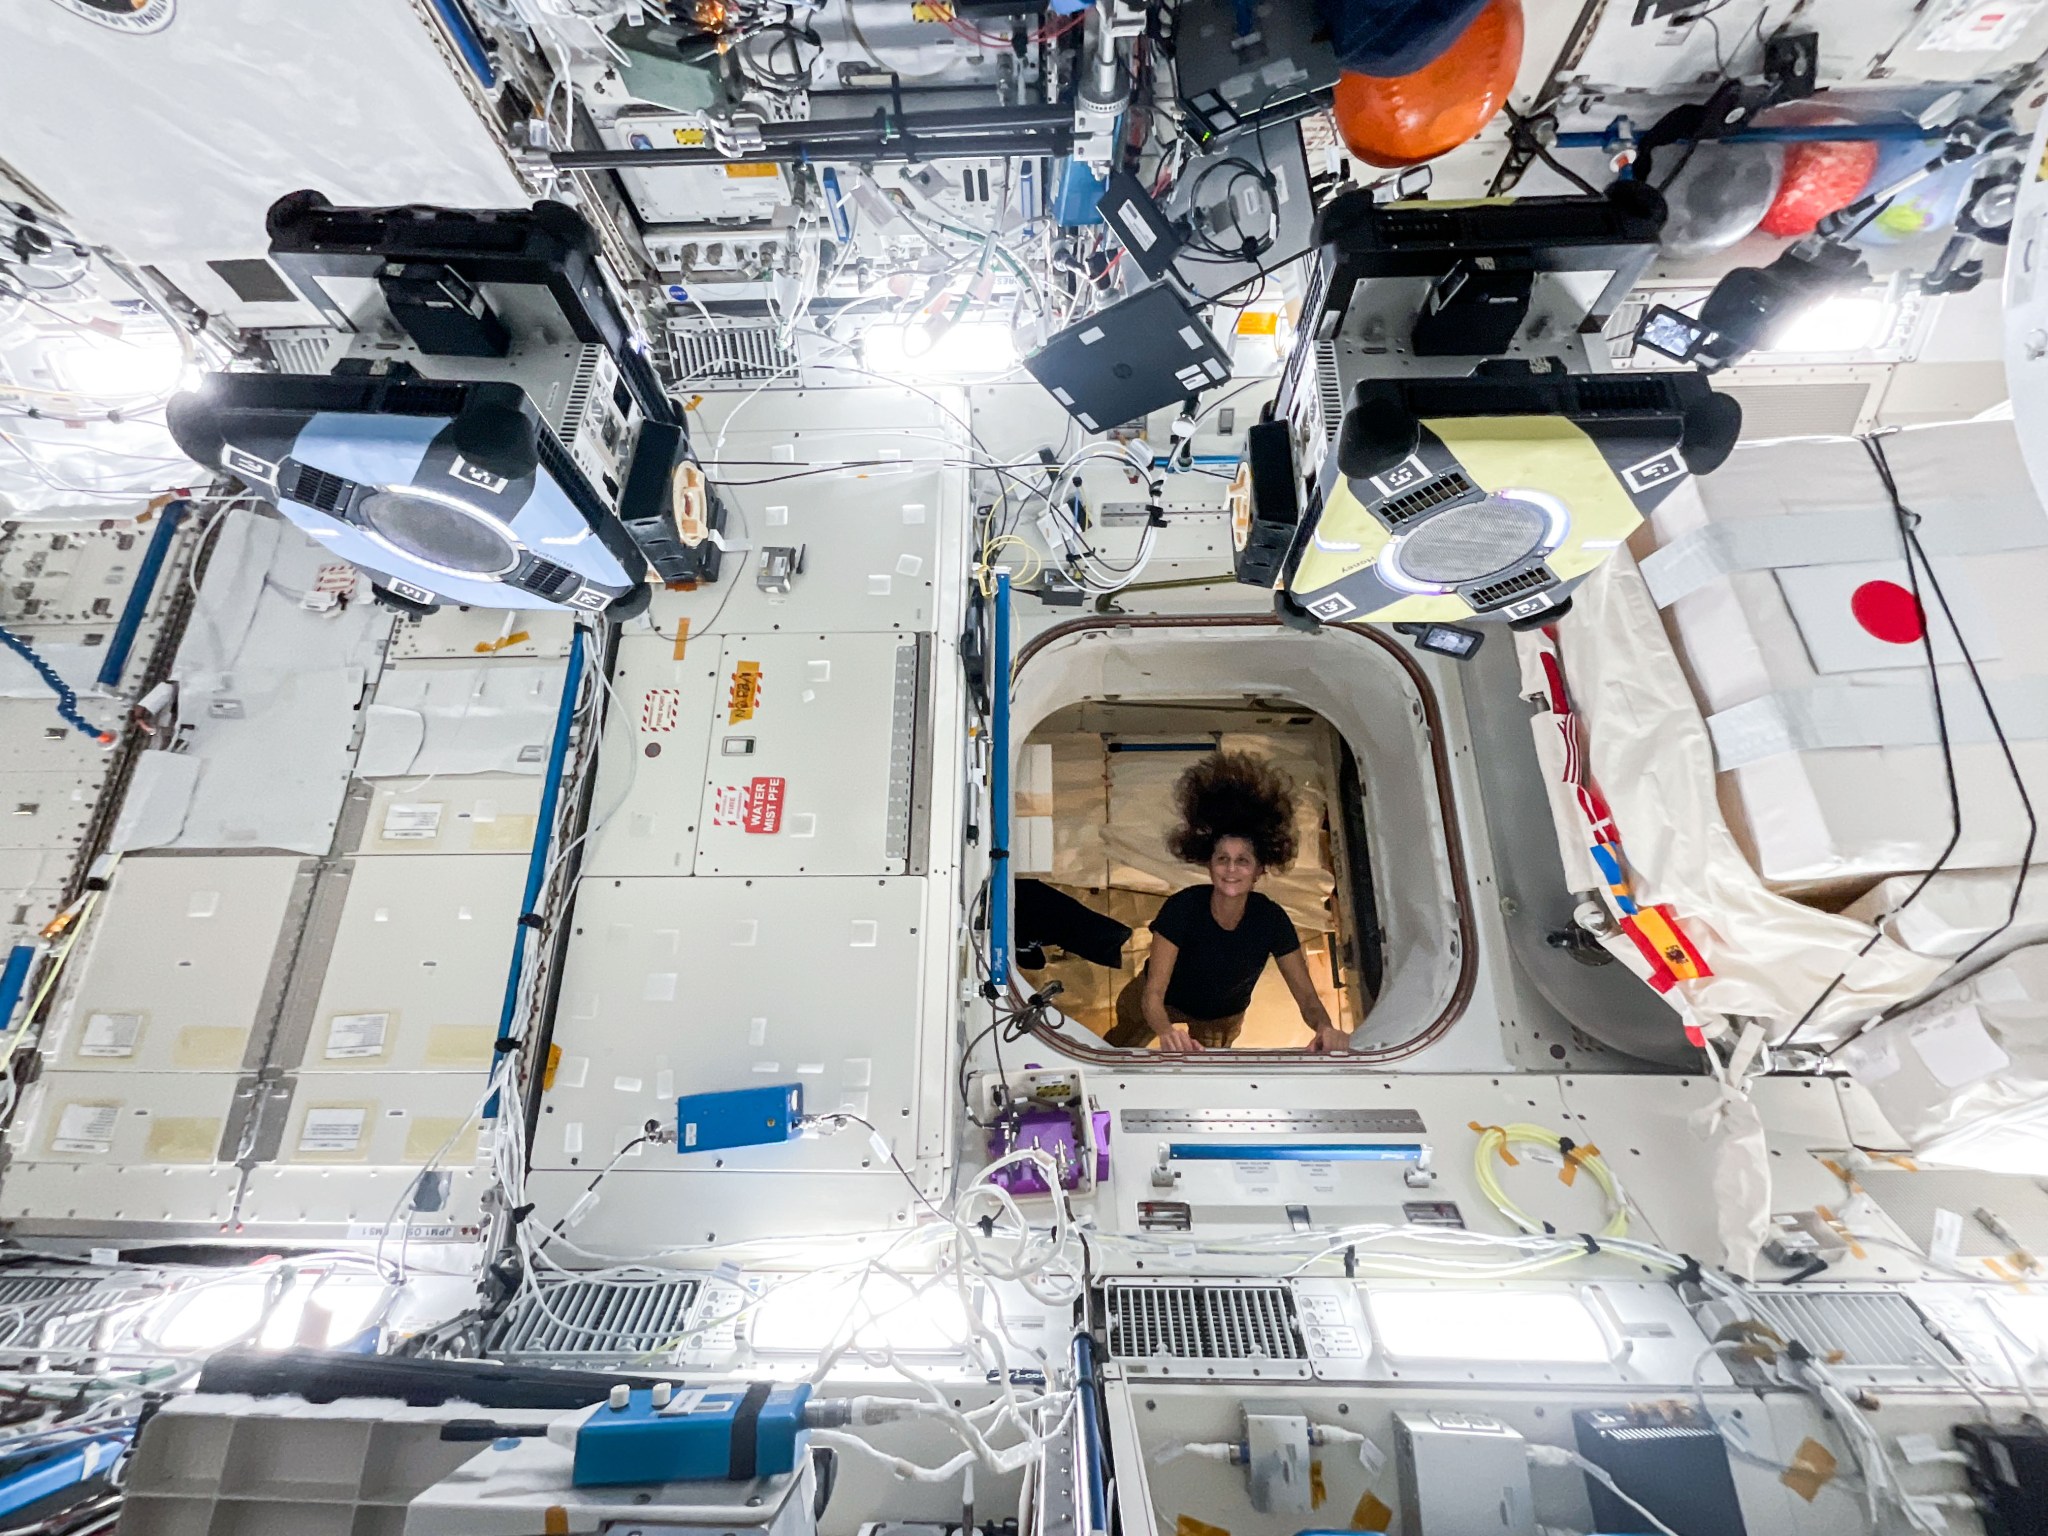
(808, 1314)
(143, 362)
(1538, 1327)
(1841, 322)
(316, 1311)
(965, 349)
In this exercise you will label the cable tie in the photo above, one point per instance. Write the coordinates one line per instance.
(1549, 1230)
(506, 1045)
(519, 1213)
(1690, 1275)
(987, 1225)
(532, 920)
(1797, 1352)
(1592, 1246)
(999, 853)
(1566, 1146)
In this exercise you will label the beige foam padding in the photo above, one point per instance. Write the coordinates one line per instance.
(460, 1045)
(209, 1045)
(507, 834)
(428, 1134)
(1080, 802)
(182, 1139)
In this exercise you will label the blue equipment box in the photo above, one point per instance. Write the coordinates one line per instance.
(743, 1117)
(709, 1434)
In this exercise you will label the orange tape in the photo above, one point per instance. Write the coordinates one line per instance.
(555, 1521)
(547, 1076)
(1318, 1490)
(1828, 1216)
(682, 637)
(1813, 1468)
(1372, 1514)
(1188, 1525)
(1505, 1155)
(1569, 1173)
(2007, 1275)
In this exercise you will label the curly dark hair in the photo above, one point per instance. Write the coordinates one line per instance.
(1233, 794)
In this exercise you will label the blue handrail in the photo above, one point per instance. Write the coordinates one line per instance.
(543, 842)
(999, 791)
(140, 593)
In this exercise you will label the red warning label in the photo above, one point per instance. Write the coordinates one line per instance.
(755, 806)
(660, 708)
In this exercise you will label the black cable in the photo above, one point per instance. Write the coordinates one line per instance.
(1522, 134)
(1916, 563)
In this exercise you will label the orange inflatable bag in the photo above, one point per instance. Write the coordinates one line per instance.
(1412, 118)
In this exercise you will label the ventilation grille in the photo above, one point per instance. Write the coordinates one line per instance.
(1405, 509)
(1493, 594)
(595, 1319)
(299, 351)
(1329, 388)
(317, 489)
(1202, 1322)
(549, 580)
(731, 352)
(1613, 394)
(1799, 410)
(33, 1311)
(554, 458)
(1874, 1330)
(579, 393)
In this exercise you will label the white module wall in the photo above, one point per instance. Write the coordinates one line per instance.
(415, 974)
(811, 769)
(444, 814)
(682, 986)
(670, 700)
(876, 538)
(134, 1147)
(176, 974)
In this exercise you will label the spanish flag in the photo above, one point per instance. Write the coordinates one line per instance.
(1665, 947)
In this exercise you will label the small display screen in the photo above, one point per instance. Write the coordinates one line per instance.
(1667, 331)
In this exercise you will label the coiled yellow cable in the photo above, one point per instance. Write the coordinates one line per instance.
(1498, 1141)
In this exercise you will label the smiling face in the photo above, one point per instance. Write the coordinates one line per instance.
(1233, 866)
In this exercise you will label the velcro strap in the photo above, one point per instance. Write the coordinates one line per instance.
(743, 1456)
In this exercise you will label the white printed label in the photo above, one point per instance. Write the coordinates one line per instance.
(86, 1128)
(356, 1034)
(110, 1034)
(411, 823)
(332, 1130)
(1957, 1048)
(1134, 227)
(1946, 1245)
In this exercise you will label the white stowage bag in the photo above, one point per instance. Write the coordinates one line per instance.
(1648, 752)
(1963, 1078)
(1741, 1158)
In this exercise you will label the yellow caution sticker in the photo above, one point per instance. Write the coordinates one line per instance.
(1812, 1469)
(1372, 1514)
(744, 696)
(488, 647)
(761, 169)
(1259, 322)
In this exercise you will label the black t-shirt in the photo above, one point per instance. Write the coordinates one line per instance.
(1217, 968)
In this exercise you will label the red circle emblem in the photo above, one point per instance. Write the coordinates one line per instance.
(1888, 611)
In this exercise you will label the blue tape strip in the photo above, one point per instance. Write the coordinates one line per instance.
(1296, 1152)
